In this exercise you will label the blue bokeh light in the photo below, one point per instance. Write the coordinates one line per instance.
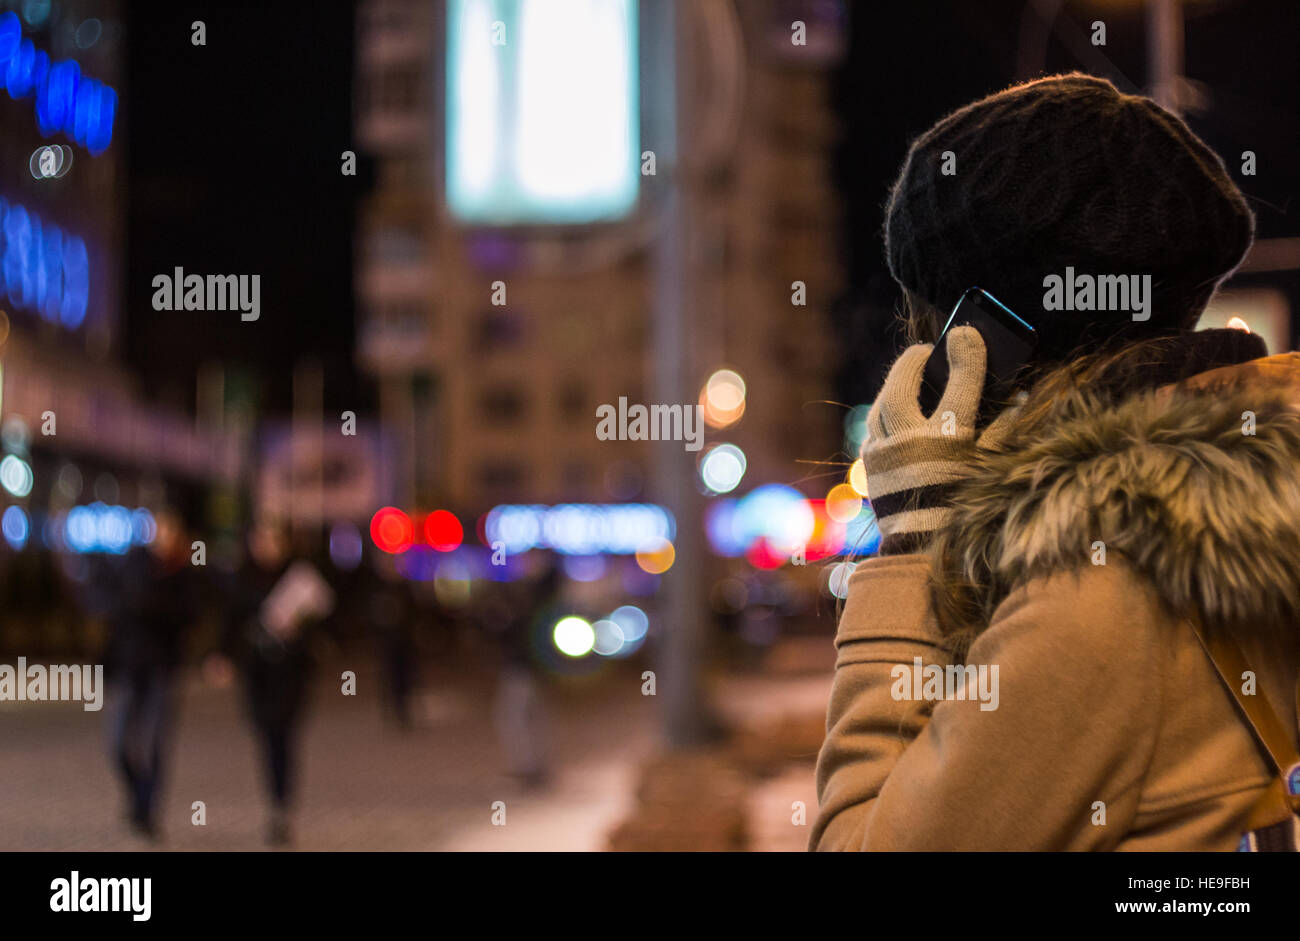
(66, 100)
(15, 526)
(583, 529)
(103, 528)
(43, 269)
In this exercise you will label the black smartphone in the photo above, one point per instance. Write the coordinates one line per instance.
(1010, 342)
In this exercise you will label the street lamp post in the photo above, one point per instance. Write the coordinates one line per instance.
(686, 716)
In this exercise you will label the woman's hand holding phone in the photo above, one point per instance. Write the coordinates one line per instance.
(911, 459)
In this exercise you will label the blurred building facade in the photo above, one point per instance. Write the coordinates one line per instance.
(496, 403)
(82, 447)
(61, 356)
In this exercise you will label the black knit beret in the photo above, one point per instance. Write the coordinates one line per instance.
(1066, 172)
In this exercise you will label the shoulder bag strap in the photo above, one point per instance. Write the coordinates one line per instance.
(1270, 733)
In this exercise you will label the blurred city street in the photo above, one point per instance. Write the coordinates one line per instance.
(531, 392)
(365, 786)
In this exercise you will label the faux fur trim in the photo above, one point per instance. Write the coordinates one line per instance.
(1171, 480)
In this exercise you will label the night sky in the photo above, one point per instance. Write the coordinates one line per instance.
(234, 159)
(234, 166)
(911, 63)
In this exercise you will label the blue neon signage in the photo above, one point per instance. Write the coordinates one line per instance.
(579, 528)
(42, 268)
(81, 107)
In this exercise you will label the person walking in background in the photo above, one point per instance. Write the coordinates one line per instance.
(274, 607)
(391, 615)
(519, 709)
(151, 600)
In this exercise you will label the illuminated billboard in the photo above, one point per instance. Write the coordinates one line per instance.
(542, 118)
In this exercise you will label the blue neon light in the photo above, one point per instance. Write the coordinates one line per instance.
(43, 269)
(67, 101)
(579, 528)
(102, 528)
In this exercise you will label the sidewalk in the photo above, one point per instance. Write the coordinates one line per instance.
(755, 791)
(366, 787)
(742, 794)
(574, 814)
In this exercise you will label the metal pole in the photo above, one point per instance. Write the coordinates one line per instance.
(687, 719)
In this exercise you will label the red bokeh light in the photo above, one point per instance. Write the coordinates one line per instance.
(443, 531)
(827, 536)
(763, 556)
(391, 530)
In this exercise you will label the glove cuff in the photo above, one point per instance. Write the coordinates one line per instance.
(907, 519)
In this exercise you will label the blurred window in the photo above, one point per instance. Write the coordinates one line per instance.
(396, 244)
(573, 400)
(577, 478)
(499, 474)
(398, 88)
(403, 315)
(500, 329)
(502, 405)
(389, 15)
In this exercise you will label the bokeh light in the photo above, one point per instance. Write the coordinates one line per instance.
(578, 528)
(843, 503)
(722, 524)
(839, 578)
(722, 468)
(778, 514)
(723, 398)
(16, 528)
(828, 535)
(855, 428)
(763, 556)
(573, 636)
(609, 637)
(391, 530)
(452, 585)
(862, 535)
(858, 478)
(443, 531)
(345, 545)
(585, 568)
(658, 559)
(16, 475)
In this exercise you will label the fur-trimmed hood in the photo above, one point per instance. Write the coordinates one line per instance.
(1196, 485)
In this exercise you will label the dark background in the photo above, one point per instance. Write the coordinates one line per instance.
(937, 56)
(234, 156)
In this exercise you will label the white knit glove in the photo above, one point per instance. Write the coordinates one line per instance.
(912, 461)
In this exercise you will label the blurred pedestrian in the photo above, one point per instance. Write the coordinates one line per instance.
(153, 600)
(275, 606)
(519, 708)
(391, 616)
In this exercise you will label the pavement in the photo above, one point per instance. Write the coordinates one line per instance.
(366, 786)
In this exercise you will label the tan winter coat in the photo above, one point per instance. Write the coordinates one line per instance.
(1112, 730)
